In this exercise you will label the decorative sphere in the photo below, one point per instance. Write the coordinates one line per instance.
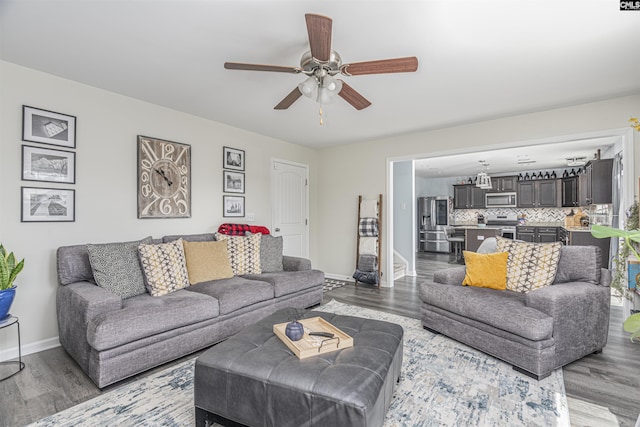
(294, 330)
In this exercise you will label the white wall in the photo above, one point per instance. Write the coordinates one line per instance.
(337, 194)
(107, 126)
(404, 208)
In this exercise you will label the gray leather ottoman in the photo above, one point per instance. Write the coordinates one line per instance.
(254, 379)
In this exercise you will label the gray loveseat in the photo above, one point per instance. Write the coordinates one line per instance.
(112, 338)
(536, 332)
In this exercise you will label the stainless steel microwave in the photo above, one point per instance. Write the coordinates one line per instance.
(500, 200)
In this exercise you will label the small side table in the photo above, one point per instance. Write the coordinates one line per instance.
(12, 320)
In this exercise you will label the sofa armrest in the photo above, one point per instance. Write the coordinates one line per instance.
(76, 305)
(580, 313)
(605, 277)
(292, 263)
(450, 276)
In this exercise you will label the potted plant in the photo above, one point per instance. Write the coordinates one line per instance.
(9, 270)
(630, 237)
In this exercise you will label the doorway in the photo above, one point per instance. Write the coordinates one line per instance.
(623, 139)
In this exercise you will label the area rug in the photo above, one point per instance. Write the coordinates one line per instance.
(443, 383)
(331, 284)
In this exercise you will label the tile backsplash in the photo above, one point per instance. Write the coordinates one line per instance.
(532, 214)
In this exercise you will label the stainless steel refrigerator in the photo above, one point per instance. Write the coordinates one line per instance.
(433, 217)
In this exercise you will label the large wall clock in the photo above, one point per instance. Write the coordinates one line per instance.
(164, 179)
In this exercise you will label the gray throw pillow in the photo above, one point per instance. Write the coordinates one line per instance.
(116, 267)
(270, 253)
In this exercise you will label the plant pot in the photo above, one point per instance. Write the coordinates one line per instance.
(6, 299)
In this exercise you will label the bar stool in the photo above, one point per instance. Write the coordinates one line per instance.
(456, 241)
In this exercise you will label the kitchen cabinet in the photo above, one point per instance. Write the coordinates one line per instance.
(595, 183)
(541, 193)
(468, 196)
(570, 192)
(583, 237)
(534, 234)
(502, 184)
(475, 236)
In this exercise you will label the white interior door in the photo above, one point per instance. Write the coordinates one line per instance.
(290, 193)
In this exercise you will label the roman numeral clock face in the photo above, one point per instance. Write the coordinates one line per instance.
(164, 179)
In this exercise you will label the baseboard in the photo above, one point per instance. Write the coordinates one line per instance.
(412, 273)
(338, 277)
(35, 347)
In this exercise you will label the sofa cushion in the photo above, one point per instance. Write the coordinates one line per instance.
(235, 293)
(270, 253)
(531, 265)
(116, 267)
(486, 270)
(73, 264)
(289, 282)
(164, 267)
(579, 264)
(503, 310)
(207, 261)
(201, 237)
(143, 316)
(244, 253)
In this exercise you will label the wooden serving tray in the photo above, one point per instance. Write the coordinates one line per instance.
(309, 346)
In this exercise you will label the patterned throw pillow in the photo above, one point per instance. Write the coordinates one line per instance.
(530, 266)
(207, 261)
(244, 253)
(116, 267)
(164, 267)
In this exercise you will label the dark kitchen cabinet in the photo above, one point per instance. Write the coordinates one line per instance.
(594, 186)
(584, 238)
(570, 192)
(537, 234)
(538, 194)
(468, 196)
(503, 184)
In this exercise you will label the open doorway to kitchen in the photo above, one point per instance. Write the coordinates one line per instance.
(435, 174)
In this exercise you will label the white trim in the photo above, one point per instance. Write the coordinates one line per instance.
(338, 277)
(388, 247)
(34, 347)
(307, 190)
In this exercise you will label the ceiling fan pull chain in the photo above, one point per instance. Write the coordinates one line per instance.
(321, 122)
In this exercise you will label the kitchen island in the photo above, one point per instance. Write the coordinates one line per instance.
(474, 234)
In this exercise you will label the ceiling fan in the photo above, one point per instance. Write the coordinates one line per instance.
(321, 64)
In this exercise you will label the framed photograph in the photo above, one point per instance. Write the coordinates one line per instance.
(232, 182)
(48, 165)
(233, 206)
(48, 205)
(232, 158)
(48, 127)
(164, 178)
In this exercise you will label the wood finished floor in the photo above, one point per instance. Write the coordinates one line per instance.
(52, 382)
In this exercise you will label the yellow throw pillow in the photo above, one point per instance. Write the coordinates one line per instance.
(207, 261)
(486, 270)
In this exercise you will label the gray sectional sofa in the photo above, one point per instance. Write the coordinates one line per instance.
(536, 332)
(113, 338)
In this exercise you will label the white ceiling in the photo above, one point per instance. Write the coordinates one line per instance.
(478, 59)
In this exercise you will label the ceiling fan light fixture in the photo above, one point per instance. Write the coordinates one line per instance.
(309, 87)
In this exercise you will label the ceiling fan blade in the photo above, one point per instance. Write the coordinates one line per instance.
(258, 67)
(289, 99)
(319, 30)
(383, 66)
(350, 95)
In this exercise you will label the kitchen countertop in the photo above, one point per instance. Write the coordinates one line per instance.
(542, 224)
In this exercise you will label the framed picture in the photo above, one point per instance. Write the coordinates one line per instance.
(48, 127)
(233, 206)
(164, 178)
(48, 205)
(45, 164)
(232, 182)
(232, 158)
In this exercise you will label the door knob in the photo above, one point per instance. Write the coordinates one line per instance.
(277, 229)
